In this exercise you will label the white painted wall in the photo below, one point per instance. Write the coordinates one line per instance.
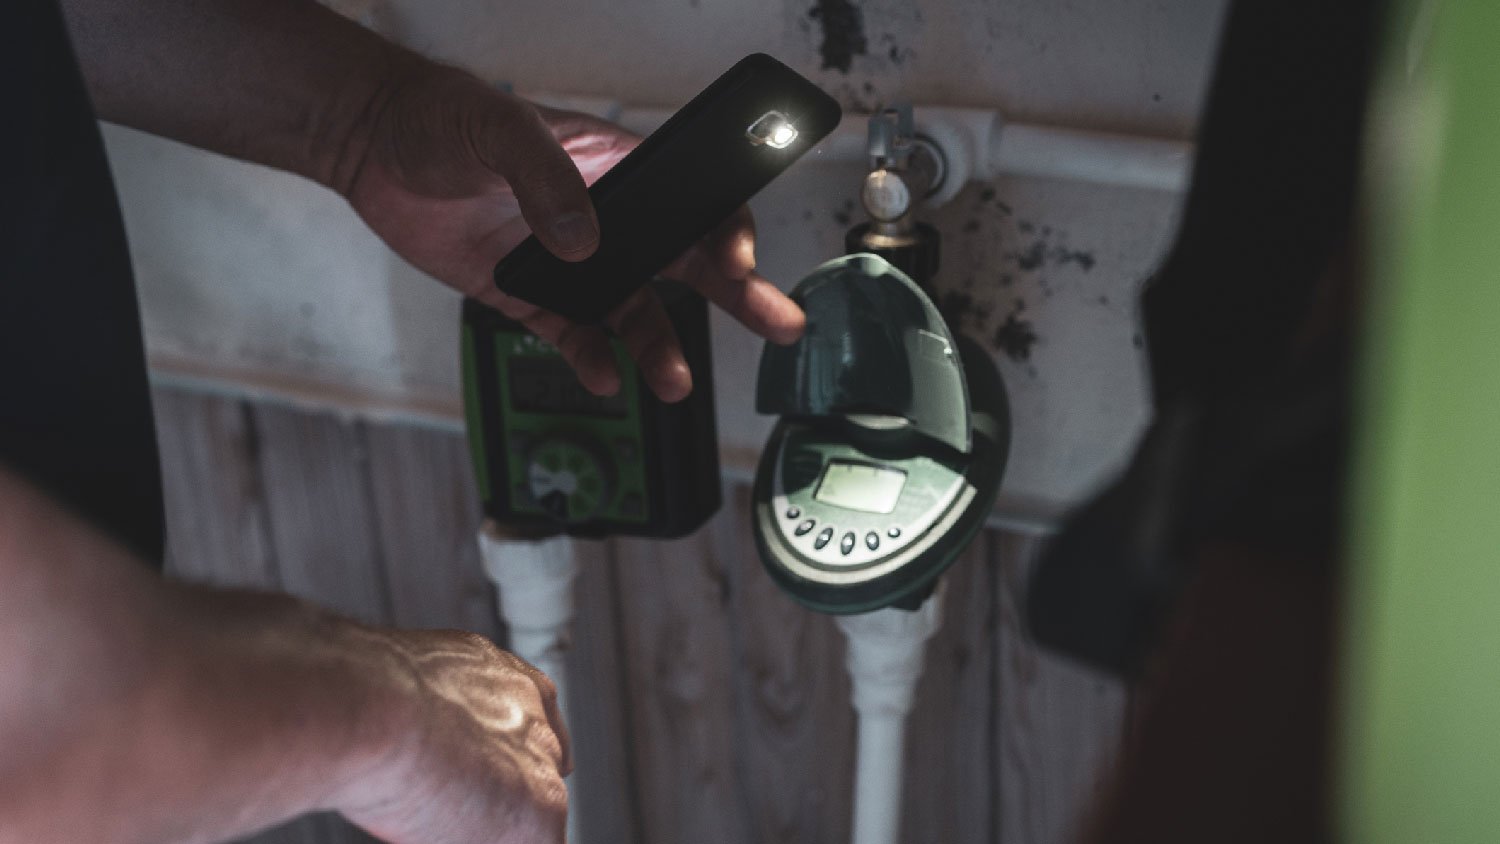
(254, 279)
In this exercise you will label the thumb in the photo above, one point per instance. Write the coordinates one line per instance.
(513, 141)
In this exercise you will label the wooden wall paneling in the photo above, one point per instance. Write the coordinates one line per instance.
(794, 722)
(321, 514)
(1060, 726)
(427, 515)
(949, 795)
(323, 531)
(218, 526)
(601, 787)
(678, 665)
(215, 503)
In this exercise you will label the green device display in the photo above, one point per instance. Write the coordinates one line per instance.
(890, 448)
(550, 456)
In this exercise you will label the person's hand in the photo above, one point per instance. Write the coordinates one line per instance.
(478, 748)
(454, 174)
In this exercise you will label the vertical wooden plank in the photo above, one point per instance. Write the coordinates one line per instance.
(601, 784)
(949, 786)
(427, 515)
(794, 721)
(218, 528)
(674, 609)
(322, 522)
(321, 517)
(1060, 725)
(216, 518)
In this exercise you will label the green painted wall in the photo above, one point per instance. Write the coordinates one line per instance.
(1421, 753)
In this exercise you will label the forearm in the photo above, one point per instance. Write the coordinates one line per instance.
(286, 83)
(133, 710)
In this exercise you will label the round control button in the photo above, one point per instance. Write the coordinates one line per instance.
(793, 512)
(823, 538)
(872, 540)
(847, 543)
(893, 532)
(806, 526)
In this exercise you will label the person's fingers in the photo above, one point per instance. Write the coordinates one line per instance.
(546, 818)
(559, 748)
(594, 144)
(511, 138)
(643, 326)
(757, 303)
(543, 739)
(722, 268)
(585, 348)
(732, 244)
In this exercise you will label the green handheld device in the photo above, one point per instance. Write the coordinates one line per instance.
(890, 448)
(552, 457)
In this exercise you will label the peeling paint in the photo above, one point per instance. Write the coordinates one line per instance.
(1016, 337)
(843, 27)
(1032, 257)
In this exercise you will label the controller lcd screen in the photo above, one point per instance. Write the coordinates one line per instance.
(860, 486)
(541, 384)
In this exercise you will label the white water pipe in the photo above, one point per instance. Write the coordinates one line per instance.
(887, 649)
(534, 579)
(979, 144)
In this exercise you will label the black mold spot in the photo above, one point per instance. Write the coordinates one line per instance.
(1156, 98)
(1138, 341)
(959, 308)
(986, 194)
(1015, 337)
(1064, 255)
(1034, 256)
(1104, 300)
(1026, 227)
(845, 213)
(843, 33)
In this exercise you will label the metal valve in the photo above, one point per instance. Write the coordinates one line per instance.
(904, 168)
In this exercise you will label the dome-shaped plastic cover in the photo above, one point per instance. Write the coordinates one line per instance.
(874, 344)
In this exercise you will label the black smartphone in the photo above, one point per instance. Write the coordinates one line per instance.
(686, 178)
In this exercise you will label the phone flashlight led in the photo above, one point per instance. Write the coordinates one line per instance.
(773, 129)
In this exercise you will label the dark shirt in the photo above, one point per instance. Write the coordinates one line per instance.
(75, 411)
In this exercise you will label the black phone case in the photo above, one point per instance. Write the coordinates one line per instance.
(674, 188)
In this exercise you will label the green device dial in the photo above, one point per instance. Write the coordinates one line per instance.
(568, 478)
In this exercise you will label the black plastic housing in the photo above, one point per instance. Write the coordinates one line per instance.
(683, 180)
(681, 440)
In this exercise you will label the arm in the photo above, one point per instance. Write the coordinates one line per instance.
(449, 171)
(286, 83)
(133, 710)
